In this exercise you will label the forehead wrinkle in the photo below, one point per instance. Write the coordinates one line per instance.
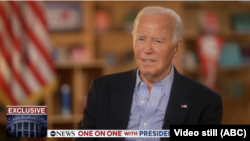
(166, 24)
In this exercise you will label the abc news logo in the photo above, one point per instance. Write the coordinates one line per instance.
(62, 133)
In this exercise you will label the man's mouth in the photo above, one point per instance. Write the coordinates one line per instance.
(147, 61)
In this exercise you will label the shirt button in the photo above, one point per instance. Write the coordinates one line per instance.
(142, 101)
(145, 123)
(142, 84)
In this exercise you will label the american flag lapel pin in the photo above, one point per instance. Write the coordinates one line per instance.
(184, 106)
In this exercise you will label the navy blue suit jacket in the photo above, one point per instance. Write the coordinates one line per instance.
(110, 99)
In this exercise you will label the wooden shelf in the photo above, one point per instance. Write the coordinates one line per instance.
(68, 39)
(74, 65)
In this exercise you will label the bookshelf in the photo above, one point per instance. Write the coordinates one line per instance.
(235, 104)
(117, 41)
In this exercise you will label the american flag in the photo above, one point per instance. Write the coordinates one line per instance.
(26, 68)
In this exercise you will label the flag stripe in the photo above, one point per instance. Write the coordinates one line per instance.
(7, 22)
(35, 25)
(19, 64)
(6, 90)
(15, 73)
(43, 68)
(35, 72)
(37, 10)
(33, 37)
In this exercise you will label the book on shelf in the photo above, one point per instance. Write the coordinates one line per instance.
(66, 99)
(190, 61)
(231, 56)
(72, 54)
(78, 54)
(232, 88)
(246, 54)
(241, 23)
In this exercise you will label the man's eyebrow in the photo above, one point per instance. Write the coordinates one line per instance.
(160, 38)
(141, 36)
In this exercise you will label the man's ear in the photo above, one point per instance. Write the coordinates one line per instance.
(177, 48)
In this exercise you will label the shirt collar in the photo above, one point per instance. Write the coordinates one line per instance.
(166, 82)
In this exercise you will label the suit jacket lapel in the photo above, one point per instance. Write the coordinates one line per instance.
(121, 101)
(178, 105)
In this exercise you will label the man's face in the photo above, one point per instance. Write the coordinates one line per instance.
(154, 47)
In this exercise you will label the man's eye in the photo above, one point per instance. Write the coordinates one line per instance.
(140, 39)
(157, 41)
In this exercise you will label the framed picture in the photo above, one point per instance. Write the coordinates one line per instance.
(63, 16)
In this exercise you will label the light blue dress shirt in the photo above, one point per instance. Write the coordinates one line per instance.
(147, 113)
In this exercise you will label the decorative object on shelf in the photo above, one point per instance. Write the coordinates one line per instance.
(246, 54)
(241, 23)
(209, 22)
(209, 45)
(102, 21)
(231, 56)
(209, 50)
(129, 21)
(78, 54)
(59, 54)
(66, 99)
(63, 16)
(190, 61)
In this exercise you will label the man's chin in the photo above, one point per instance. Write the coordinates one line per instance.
(147, 72)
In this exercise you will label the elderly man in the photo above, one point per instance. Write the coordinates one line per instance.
(154, 95)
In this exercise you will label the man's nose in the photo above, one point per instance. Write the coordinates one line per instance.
(148, 48)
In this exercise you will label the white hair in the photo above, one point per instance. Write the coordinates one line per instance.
(157, 10)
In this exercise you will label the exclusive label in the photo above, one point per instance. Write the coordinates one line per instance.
(26, 121)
